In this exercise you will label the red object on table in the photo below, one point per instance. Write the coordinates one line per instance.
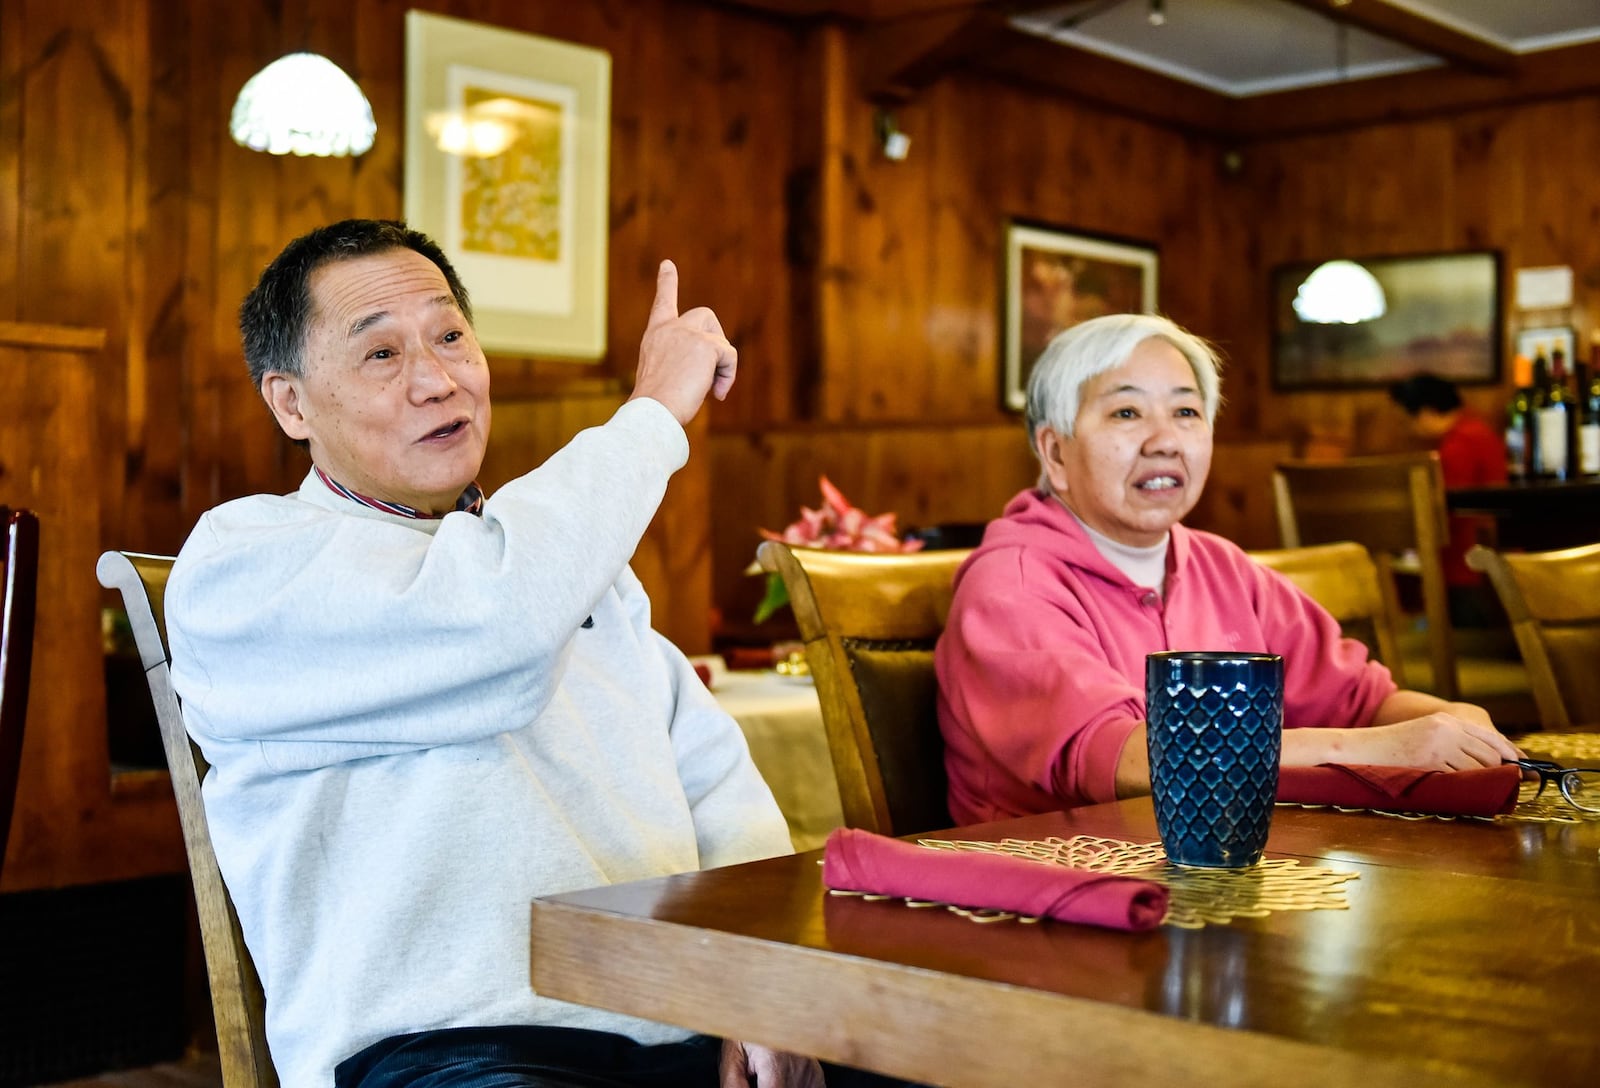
(1483, 791)
(860, 861)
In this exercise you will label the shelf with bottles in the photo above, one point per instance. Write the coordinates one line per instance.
(1553, 415)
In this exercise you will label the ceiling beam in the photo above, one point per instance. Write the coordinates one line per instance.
(902, 57)
(1408, 28)
(1101, 81)
(1557, 73)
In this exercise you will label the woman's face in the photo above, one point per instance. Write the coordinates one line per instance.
(1140, 449)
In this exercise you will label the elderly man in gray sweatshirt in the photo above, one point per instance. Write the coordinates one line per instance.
(423, 707)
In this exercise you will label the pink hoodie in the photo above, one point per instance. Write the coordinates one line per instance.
(1041, 666)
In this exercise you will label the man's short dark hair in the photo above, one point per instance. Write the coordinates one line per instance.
(274, 317)
(1425, 391)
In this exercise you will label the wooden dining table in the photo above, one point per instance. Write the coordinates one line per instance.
(1468, 953)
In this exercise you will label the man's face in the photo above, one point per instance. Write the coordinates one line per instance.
(1140, 450)
(394, 401)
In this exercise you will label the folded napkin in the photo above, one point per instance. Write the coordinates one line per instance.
(859, 861)
(1482, 791)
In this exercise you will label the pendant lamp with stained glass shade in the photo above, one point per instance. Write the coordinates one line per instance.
(1340, 293)
(303, 104)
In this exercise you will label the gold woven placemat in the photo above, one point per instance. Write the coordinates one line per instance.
(1198, 897)
(1561, 746)
(1550, 808)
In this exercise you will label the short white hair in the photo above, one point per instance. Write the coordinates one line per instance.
(1082, 353)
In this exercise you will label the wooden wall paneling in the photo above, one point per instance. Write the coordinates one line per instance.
(835, 192)
(965, 230)
(793, 391)
(874, 345)
(238, 234)
(135, 410)
(74, 823)
(1381, 205)
(12, 58)
(376, 46)
(78, 99)
(166, 325)
(1234, 287)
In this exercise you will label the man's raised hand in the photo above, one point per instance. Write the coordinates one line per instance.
(682, 356)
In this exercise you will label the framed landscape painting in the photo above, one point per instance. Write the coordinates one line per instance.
(506, 167)
(1055, 278)
(1441, 315)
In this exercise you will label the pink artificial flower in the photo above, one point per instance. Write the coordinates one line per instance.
(839, 526)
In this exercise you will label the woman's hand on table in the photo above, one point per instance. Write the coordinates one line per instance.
(1450, 737)
(770, 1068)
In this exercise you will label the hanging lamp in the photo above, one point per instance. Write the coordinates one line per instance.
(303, 104)
(1339, 293)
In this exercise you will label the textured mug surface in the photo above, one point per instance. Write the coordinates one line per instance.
(1215, 727)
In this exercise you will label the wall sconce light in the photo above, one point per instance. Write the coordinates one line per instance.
(303, 104)
(1340, 293)
(896, 144)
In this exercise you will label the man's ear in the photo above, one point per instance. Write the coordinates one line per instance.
(1049, 446)
(282, 393)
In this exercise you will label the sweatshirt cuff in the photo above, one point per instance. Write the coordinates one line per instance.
(1102, 749)
(657, 426)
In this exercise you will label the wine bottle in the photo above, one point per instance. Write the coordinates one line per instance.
(1567, 394)
(1519, 419)
(1589, 426)
(1550, 420)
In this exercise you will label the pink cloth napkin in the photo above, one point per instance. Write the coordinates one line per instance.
(859, 861)
(1483, 791)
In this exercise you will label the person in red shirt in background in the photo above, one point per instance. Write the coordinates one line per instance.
(1471, 453)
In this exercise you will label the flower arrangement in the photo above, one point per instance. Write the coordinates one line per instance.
(838, 526)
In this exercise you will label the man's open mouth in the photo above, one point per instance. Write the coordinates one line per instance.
(446, 431)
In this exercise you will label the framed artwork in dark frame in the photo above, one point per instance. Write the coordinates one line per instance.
(1442, 316)
(1053, 279)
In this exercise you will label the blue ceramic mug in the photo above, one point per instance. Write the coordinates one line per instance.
(1215, 727)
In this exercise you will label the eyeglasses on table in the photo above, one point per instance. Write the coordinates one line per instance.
(1580, 786)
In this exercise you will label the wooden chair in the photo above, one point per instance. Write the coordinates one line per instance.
(1553, 602)
(869, 623)
(237, 1001)
(1343, 579)
(16, 653)
(1390, 505)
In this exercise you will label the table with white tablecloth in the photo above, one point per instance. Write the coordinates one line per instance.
(782, 721)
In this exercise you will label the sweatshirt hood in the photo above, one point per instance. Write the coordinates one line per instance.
(1041, 523)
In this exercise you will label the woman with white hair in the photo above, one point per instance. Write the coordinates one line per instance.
(1041, 666)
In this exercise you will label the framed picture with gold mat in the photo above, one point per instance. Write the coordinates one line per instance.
(506, 167)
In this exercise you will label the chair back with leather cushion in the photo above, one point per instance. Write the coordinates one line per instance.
(237, 1001)
(1390, 505)
(1553, 602)
(870, 622)
(21, 584)
(1343, 579)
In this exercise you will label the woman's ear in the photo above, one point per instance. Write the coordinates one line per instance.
(282, 394)
(1051, 448)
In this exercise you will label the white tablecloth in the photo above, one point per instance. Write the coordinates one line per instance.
(782, 721)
